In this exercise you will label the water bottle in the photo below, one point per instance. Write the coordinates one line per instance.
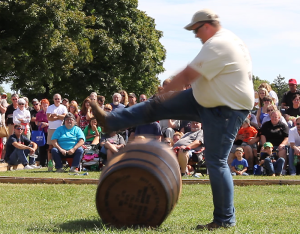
(50, 165)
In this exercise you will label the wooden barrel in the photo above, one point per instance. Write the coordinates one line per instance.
(140, 186)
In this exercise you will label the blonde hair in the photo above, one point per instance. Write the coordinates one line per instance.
(260, 102)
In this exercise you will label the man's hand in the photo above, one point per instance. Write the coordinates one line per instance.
(71, 151)
(31, 150)
(63, 152)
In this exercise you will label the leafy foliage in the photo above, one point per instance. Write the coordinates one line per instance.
(75, 47)
(280, 86)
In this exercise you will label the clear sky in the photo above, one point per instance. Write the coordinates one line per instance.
(270, 29)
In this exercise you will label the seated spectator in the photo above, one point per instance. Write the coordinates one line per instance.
(177, 136)
(101, 101)
(41, 121)
(294, 140)
(262, 111)
(131, 100)
(108, 108)
(143, 98)
(239, 164)
(92, 132)
(22, 116)
(65, 102)
(194, 141)
(67, 141)
(73, 108)
(18, 147)
(124, 98)
(169, 126)
(249, 133)
(93, 96)
(276, 132)
(272, 163)
(111, 144)
(168, 142)
(270, 109)
(293, 111)
(151, 130)
(85, 114)
(116, 104)
(271, 92)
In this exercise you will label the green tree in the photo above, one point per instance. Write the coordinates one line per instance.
(75, 47)
(257, 81)
(280, 86)
(40, 43)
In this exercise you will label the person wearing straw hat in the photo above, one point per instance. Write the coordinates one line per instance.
(221, 97)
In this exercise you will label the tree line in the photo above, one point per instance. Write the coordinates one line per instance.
(76, 47)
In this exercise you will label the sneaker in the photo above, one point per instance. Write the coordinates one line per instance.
(60, 170)
(35, 167)
(73, 169)
(100, 115)
(210, 226)
(2, 161)
(293, 174)
(27, 167)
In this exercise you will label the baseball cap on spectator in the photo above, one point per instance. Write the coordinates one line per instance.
(131, 95)
(268, 144)
(66, 99)
(3, 94)
(34, 100)
(292, 81)
(202, 15)
(239, 149)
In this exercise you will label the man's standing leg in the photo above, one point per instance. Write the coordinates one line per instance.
(220, 126)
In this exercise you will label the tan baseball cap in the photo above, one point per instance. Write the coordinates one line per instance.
(202, 15)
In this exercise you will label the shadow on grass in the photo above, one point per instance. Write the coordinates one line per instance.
(82, 225)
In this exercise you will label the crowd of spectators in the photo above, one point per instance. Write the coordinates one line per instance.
(69, 128)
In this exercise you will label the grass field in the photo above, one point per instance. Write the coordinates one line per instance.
(44, 208)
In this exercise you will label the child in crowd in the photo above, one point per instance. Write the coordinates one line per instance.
(239, 165)
(248, 133)
(272, 163)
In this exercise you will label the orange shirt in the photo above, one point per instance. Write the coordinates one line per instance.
(248, 133)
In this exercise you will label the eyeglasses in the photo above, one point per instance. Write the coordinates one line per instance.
(56, 99)
(14, 99)
(36, 104)
(107, 109)
(269, 110)
(19, 129)
(196, 29)
(297, 123)
(296, 100)
(142, 99)
(22, 104)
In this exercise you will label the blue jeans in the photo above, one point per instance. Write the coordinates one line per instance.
(274, 167)
(292, 168)
(20, 156)
(220, 126)
(57, 156)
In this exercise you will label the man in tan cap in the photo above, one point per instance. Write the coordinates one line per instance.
(220, 98)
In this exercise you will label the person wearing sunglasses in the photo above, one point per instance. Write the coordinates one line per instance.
(22, 116)
(9, 113)
(221, 93)
(36, 108)
(18, 147)
(293, 111)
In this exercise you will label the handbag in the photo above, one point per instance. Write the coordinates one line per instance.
(3, 131)
(38, 136)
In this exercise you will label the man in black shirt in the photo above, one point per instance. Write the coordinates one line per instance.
(33, 112)
(287, 99)
(18, 147)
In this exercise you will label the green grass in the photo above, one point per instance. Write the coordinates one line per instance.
(67, 208)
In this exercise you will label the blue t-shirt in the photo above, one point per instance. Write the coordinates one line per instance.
(119, 106)
(68, 138)
(239, 165)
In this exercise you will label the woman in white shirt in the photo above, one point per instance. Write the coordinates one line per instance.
(22, 116)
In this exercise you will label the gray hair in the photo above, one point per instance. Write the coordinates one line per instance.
(69, 115)
(117, 94)
(15, 95)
